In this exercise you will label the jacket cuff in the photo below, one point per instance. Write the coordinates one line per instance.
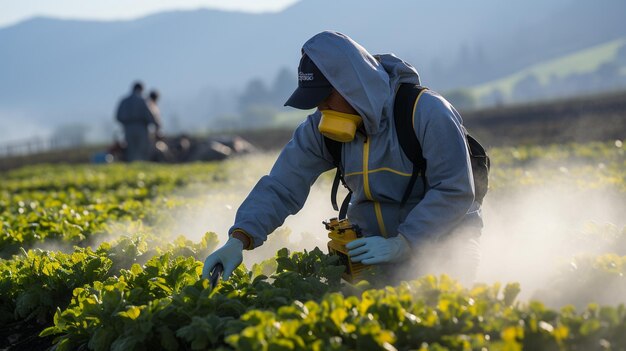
(248, 242)
(411, 241)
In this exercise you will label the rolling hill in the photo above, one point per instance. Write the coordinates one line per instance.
(582, 62)
(57, 72)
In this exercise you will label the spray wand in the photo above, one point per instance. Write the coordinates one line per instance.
(216, 274)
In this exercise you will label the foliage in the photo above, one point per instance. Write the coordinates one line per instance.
(89, 260)
(165, 305)
(68, 206)
(589, 167)
(36, 283)
(250, 313)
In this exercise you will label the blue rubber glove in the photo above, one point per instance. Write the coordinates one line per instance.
(230, 256)
(376, 249)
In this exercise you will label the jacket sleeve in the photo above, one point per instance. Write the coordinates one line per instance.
(450, 187)
(121, 114)
(284, 191)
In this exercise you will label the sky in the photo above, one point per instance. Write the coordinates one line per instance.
(14, 11)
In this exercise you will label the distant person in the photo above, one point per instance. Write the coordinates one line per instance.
(152, 101)
(135, 116)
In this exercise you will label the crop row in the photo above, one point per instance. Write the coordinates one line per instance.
(70, 205)
(303, 306)
(143, 290)
(132, 295)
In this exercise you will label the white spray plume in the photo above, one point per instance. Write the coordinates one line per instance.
(529, 231)
(214, 210)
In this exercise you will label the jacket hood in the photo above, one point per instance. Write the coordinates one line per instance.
(367, 82)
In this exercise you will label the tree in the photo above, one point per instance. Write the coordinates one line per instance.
(494, 98)
(69, 135)
(256, 93)
(284, 84)
(462, 99)
(527, 88)
(620, 57)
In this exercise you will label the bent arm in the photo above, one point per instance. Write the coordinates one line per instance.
(284, 191)
(121, 113)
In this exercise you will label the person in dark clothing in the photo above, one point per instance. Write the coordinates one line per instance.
(135, 116)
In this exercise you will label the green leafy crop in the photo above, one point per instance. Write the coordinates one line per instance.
(89, 260)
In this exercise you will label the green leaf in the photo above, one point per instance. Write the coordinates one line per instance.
(132, 312)
(511, 291)
(168, 339)
(102, 339)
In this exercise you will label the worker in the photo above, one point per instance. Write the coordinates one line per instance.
(342, 81)
(135, 116)
(153, 104)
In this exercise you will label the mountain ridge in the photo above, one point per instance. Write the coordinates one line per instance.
(61, 71)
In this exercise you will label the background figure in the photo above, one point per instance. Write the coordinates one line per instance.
(135, 116)
(152, 101)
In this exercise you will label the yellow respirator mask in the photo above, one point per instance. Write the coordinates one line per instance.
(339, 126)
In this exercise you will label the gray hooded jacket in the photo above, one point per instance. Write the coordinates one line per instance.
(376, 168)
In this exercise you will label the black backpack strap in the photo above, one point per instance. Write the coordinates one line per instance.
(406, 98)
(334, 148)
(344, 206)
(404, 104)
(480, 167)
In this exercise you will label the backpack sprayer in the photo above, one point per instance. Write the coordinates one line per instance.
(340, 233)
